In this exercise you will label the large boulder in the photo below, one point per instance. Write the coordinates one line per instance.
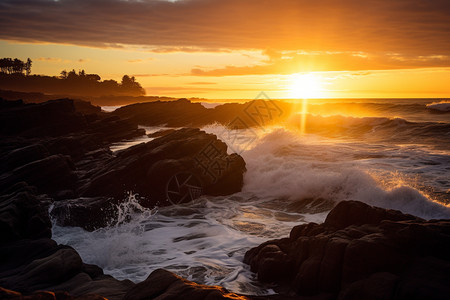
(88, 213)
(28, 266)
(41, 143)
(50, 175)
(162, 284)
(173, 168)
(23, 215)
(62, 118)
(359, 252)
(52, 118)
(171, 113)
(184, 113)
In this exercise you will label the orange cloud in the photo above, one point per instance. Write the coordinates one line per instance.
(50, 59)
(289, 62)
(413, 27)
(295, 35)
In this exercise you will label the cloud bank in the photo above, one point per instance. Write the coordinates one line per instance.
(394, 34)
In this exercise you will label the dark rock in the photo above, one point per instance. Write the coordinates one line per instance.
(22, 156)
(76, 121)
(42, 142)
(49, 175)
(89, 213)
(31, 265)
(377, 286)
(93, 271)
(160, 133)
(86, 107)
(357, 213)
(4, 104)
(162, 284)
(170, 113)
(23, 215)
(28, 265)
(82, 284)
(111, 129)
(43, 271)
(52, 118)
(45, 295)
(55, 147)
(183, 113)
(147, 169)
(359, 252)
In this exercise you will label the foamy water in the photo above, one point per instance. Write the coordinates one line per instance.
(205, 240)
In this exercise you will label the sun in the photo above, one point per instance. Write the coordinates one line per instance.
(305, 86)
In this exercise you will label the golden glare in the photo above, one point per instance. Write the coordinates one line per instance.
(305, 86)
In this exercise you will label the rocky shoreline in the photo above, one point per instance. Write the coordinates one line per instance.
(57, 153)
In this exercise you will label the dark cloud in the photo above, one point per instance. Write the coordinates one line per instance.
(406, 27)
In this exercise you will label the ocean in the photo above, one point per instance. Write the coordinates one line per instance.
(392, 153)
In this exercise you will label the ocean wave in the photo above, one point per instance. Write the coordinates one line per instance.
(355, 108)
(443, 106)
(396, 130)
(420, 110)
(284, 166)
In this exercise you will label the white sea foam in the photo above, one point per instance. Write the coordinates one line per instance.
(283, 164)
(203, 241)
(110, 108)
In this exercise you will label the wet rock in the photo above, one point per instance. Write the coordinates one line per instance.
(23, 215)
(52, 118)
(22, 156)
(149, 168)
(41, 143)
(180, 113)
(35, 264)
(32, 265)
(45, 295)
(359, 252)
(83, 123)
(183, 113)
(160, 133)
(358, 213)
(162, 284)
(107, 286)
(89, 213)
(50, 175)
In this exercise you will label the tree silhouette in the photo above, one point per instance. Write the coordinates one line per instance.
(130, 84)
(72, 75)
(63, 74)
(67, 83)
(28, 66)
(93, 77)
(15, 66)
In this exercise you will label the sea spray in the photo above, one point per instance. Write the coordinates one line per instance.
(286, 165)
(204, 241)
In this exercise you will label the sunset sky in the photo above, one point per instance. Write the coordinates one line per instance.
(238, 48)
